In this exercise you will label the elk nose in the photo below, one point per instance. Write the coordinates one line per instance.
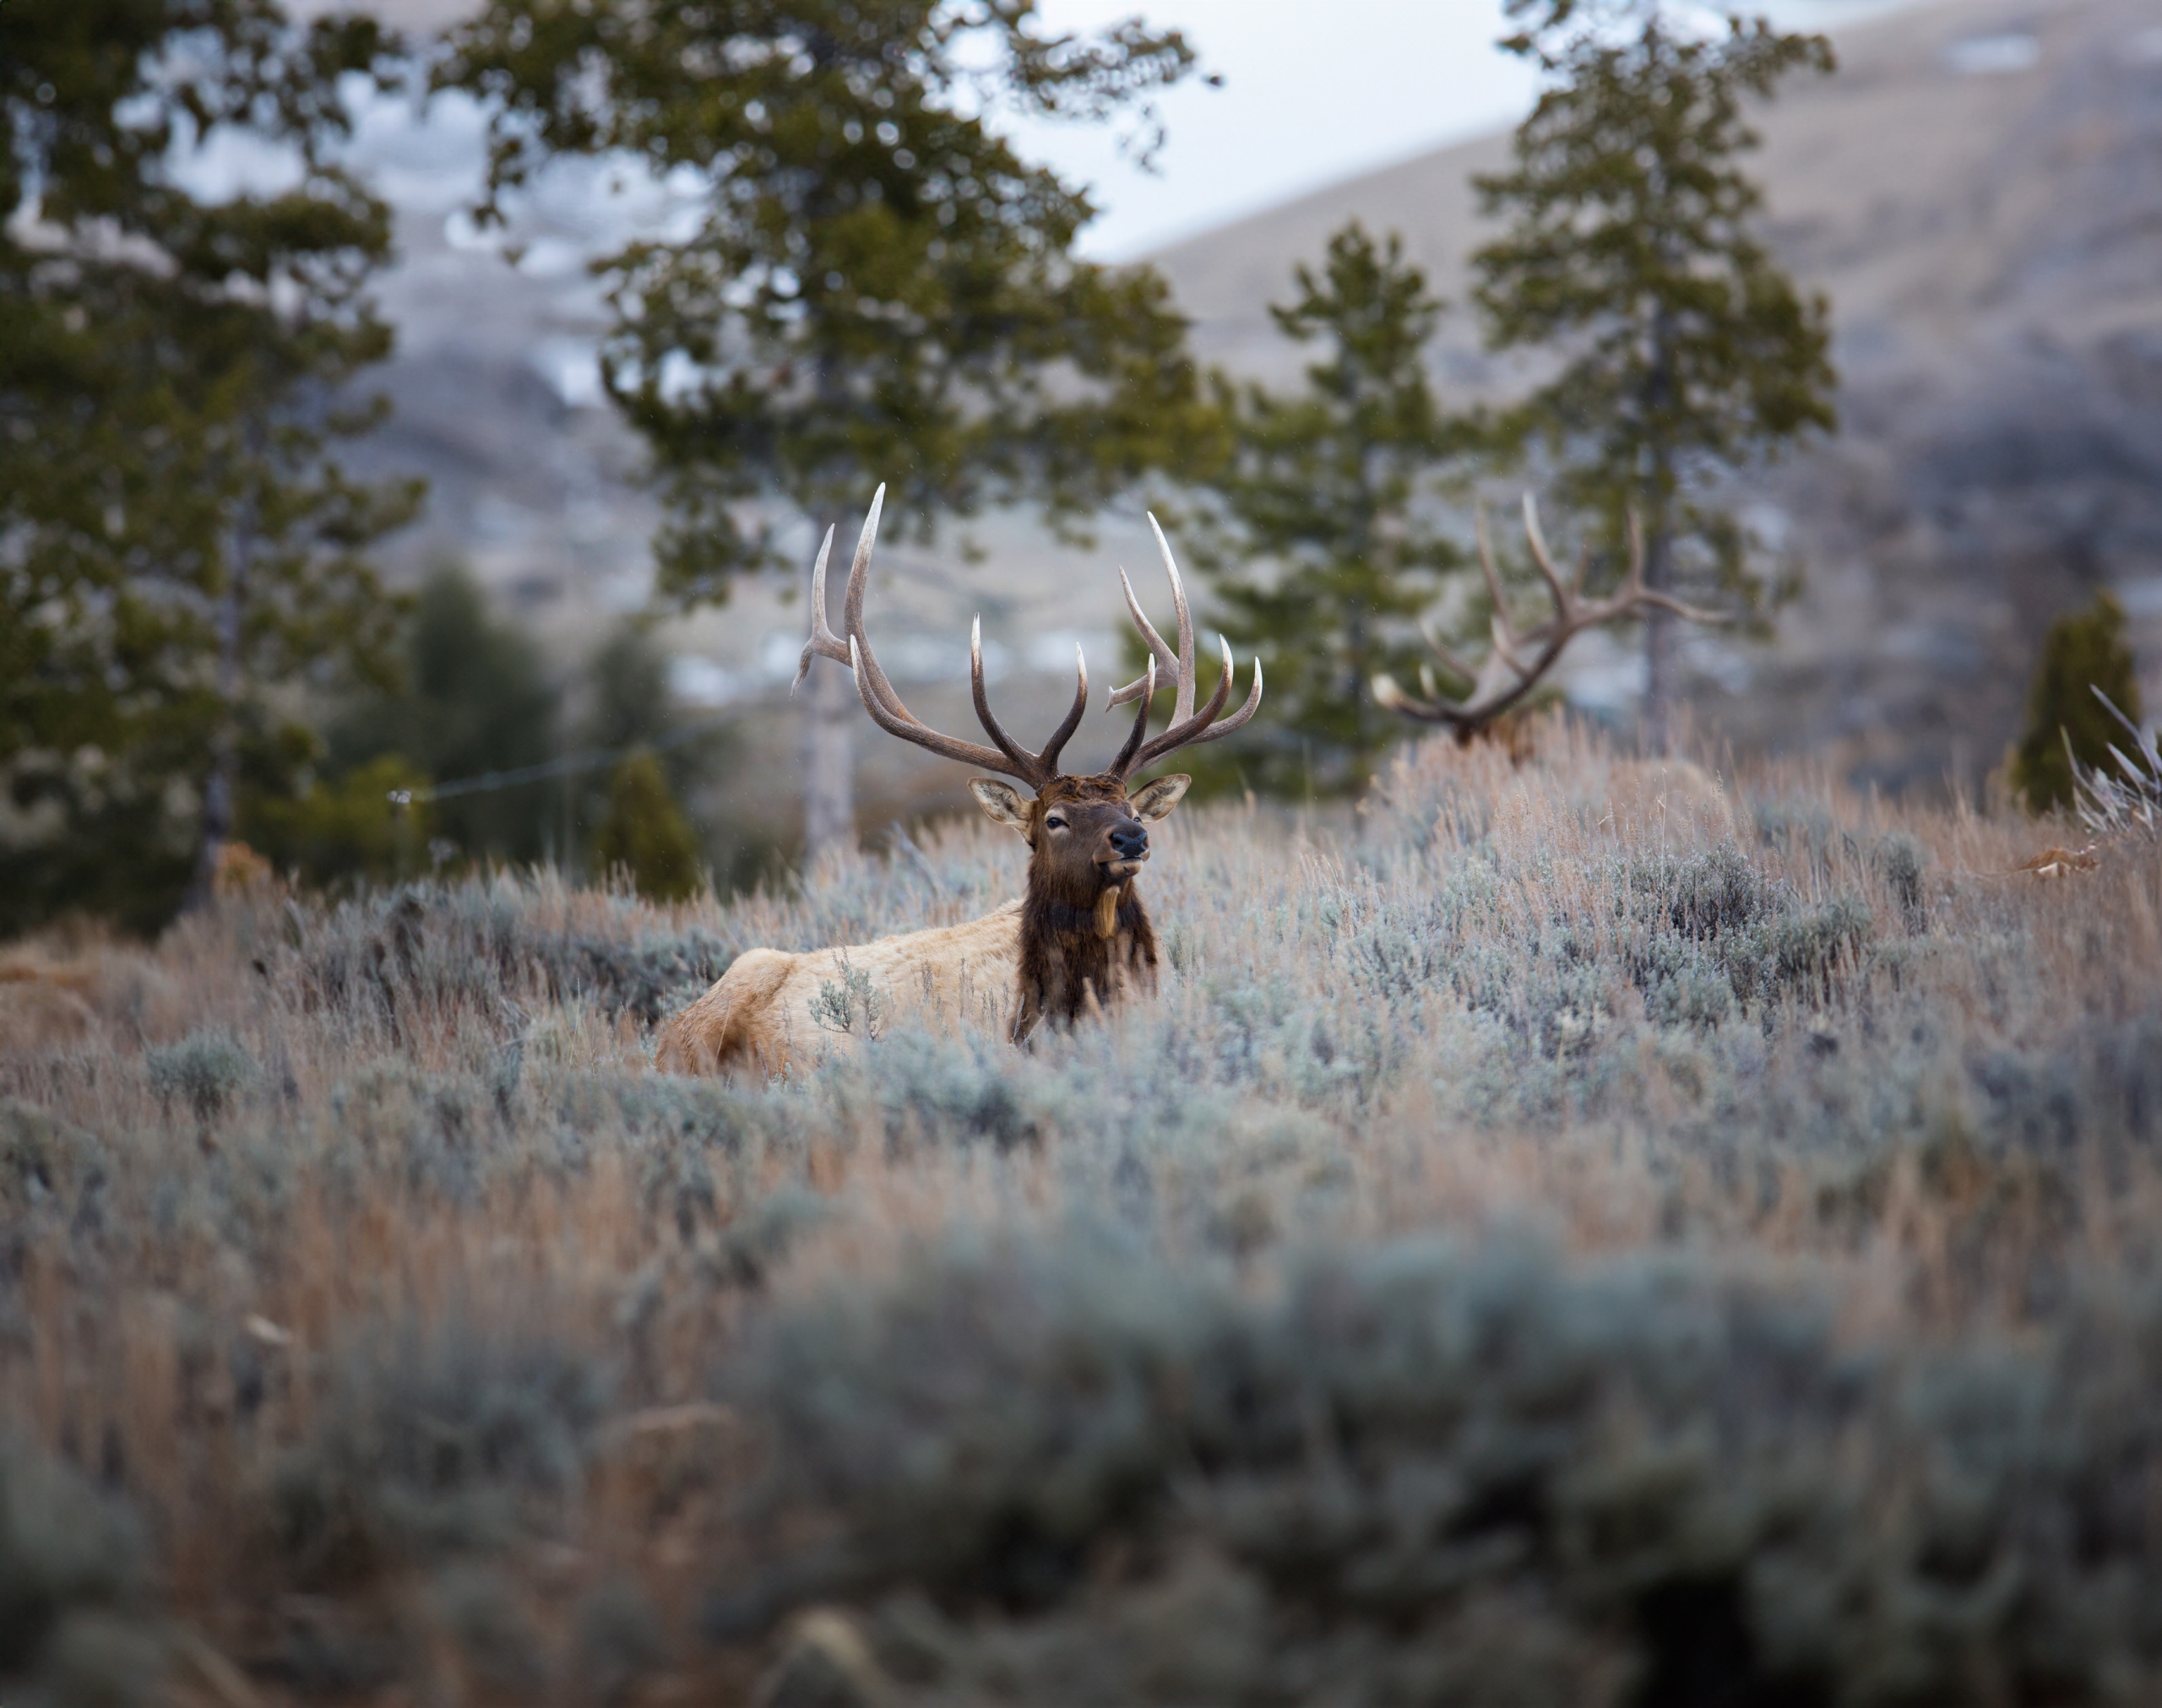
(1130, 843)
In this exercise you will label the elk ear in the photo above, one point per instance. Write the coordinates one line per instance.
(1001, 803)
(1158, 798)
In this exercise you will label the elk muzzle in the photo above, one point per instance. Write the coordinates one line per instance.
(1129, 844)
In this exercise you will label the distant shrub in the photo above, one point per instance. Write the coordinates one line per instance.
(1700, 935)
(759, 1238)
(425, 947)
(496, 1637)
(206, 1071)
(1903, 860)
(46, 1164)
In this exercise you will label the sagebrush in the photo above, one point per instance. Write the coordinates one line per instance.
(1565, 1232)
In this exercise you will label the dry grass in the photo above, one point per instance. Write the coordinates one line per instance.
(443, 1352)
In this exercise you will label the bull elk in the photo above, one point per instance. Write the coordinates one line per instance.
(1518, 660)
(1080, 937)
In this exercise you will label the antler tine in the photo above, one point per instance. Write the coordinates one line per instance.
(1239, 719)
(1500, 629)
(901, 724)
(1123, 762)
(824, 642)
(884, 705)
(1190, 729)
(1392, 698)
(1007, 745)
(1445, 654)
(1182, 704)
(1180, 662)
(1634, 594)
(1159, 648)
(1544, 559)
(1059, 737)
(873, 676)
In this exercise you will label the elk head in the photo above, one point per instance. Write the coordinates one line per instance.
(1086, 935)
(1518, 660)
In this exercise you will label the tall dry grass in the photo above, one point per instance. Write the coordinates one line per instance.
(410, 1339)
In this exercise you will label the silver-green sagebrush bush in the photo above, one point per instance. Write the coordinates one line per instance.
(1535, 1247)
(1433, 1466)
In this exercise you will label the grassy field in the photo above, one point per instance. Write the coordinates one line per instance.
(1566, 1234)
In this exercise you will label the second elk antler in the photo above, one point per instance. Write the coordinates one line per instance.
(1519, 659)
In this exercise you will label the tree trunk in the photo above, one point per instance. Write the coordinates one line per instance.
(1661, 639)
(831, 709)
(218, 803)
(1660, 632)
(829, 714)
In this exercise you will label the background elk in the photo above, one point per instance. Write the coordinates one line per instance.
(1079, 938)
(1519, 659)
(1662, 789)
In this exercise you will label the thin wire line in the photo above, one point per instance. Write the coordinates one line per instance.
(568, 764)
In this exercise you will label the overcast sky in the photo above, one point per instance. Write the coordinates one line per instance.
(1314, 90)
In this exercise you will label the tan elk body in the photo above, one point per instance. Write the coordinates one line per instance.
(764, 1012)
(1080, 937)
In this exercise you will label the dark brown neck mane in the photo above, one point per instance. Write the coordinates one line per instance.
(1085, 936)
(1068, 966)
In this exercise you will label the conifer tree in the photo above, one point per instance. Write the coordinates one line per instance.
(178, 546)
(2082, 651)
(645, 834)
(880, 288)
(1629, 254)
(1325, 545)
(629, 704)
(473, 696)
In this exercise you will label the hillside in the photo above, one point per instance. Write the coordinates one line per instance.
(1978, 191)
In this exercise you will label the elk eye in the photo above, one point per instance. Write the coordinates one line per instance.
(1055, 823)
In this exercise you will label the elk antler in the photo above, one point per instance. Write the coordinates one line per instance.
(884, 705)
(1188, 729)
(1518, 660)
(1008, 756)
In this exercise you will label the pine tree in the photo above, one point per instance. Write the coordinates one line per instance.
(1630, 254)
(474, 696)
(372, 824)
(1325, 545)
(2082, 653)
(182, 552)
(645, 834)
(628, 705)
(880, 288)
